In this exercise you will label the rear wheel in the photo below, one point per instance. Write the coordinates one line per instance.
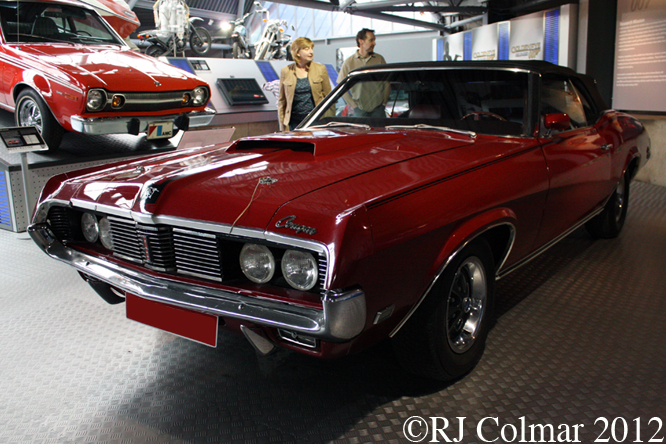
(236, 50)
(446, 336)
(155, 51)
(608, 224)
(200, 41)
(32, 110)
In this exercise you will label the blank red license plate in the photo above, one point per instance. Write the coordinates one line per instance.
(193, 325)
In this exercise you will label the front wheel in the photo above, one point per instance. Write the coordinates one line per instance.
(261, 50)
(608, 224)
(446, 336)
(200, 41)
(32, 110)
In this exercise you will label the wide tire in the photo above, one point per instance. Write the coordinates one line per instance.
(236, 51)
(200, 41)
(155, 51)
(446, 336)
(608, 224)
(32, 110)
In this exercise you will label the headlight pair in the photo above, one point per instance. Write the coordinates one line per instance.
(97, 99)
(299, 268)
(94, 229)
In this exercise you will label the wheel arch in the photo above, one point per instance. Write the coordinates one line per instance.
(496, 227)
(22, 86)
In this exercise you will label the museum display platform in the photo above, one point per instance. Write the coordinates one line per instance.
(579, 340)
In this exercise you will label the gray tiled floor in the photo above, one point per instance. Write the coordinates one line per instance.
(581, 335)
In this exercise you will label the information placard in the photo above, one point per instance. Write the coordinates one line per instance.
(640, 56)
(22, 139)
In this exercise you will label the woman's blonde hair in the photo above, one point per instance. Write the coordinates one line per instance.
(298, 44)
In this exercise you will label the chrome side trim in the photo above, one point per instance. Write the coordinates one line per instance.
(538, 251)
(446, 264)
(342, 318)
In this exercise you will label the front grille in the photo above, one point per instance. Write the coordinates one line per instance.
(187, 252)
(126, 242)
(197, 254)
(60, 221)
(158, 101)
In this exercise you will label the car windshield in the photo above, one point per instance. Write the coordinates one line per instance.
(35, 22)
(476, 100)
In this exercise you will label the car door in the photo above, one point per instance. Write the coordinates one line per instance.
(578, 159)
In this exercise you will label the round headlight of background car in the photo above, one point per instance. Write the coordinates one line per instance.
(257, 263)
(96, 100)
(105, 233)
(200, 96)
(300, 269)
(89, 227)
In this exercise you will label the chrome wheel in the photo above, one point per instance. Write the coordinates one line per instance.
(29, 114)
(31, 110)
(619, 200)
(466, 304)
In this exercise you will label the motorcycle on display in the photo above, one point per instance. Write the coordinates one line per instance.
(274, 44)
(165, 42)
(240, 47)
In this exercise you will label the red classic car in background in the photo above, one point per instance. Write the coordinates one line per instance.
(118, 14)
(350, 230)
(64, 68)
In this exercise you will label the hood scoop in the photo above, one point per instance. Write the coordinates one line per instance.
(267, 144)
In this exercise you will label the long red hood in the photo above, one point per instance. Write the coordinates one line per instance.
(253, 177)
(99, 66)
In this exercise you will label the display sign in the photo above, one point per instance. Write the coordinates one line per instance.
(484, 42)
(527, 37)
(22, 139)
(241, 91)
(640, 56)
(452, 48)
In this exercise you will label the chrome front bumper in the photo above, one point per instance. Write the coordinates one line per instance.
(342, 318)
(139, 124)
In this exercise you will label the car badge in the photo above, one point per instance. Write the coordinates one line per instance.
(149, 192)
(267, 180)
(157, 84)
(288, 222)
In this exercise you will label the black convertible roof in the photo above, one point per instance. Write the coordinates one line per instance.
(536, 66)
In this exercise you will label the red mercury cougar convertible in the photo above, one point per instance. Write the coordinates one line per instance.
(349, 229)
(65, 69)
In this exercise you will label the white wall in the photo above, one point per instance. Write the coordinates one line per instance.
(396, 48)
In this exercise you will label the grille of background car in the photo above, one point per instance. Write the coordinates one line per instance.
(148, 101)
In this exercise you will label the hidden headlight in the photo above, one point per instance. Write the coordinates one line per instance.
(257, 263)
(299, 269)
(89, 227)
(96, 100)
(200, 96)
(105, 237)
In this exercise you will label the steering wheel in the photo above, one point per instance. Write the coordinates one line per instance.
(477, 115)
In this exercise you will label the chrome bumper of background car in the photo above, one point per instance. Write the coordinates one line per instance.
(139, 124)
(342, 318)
